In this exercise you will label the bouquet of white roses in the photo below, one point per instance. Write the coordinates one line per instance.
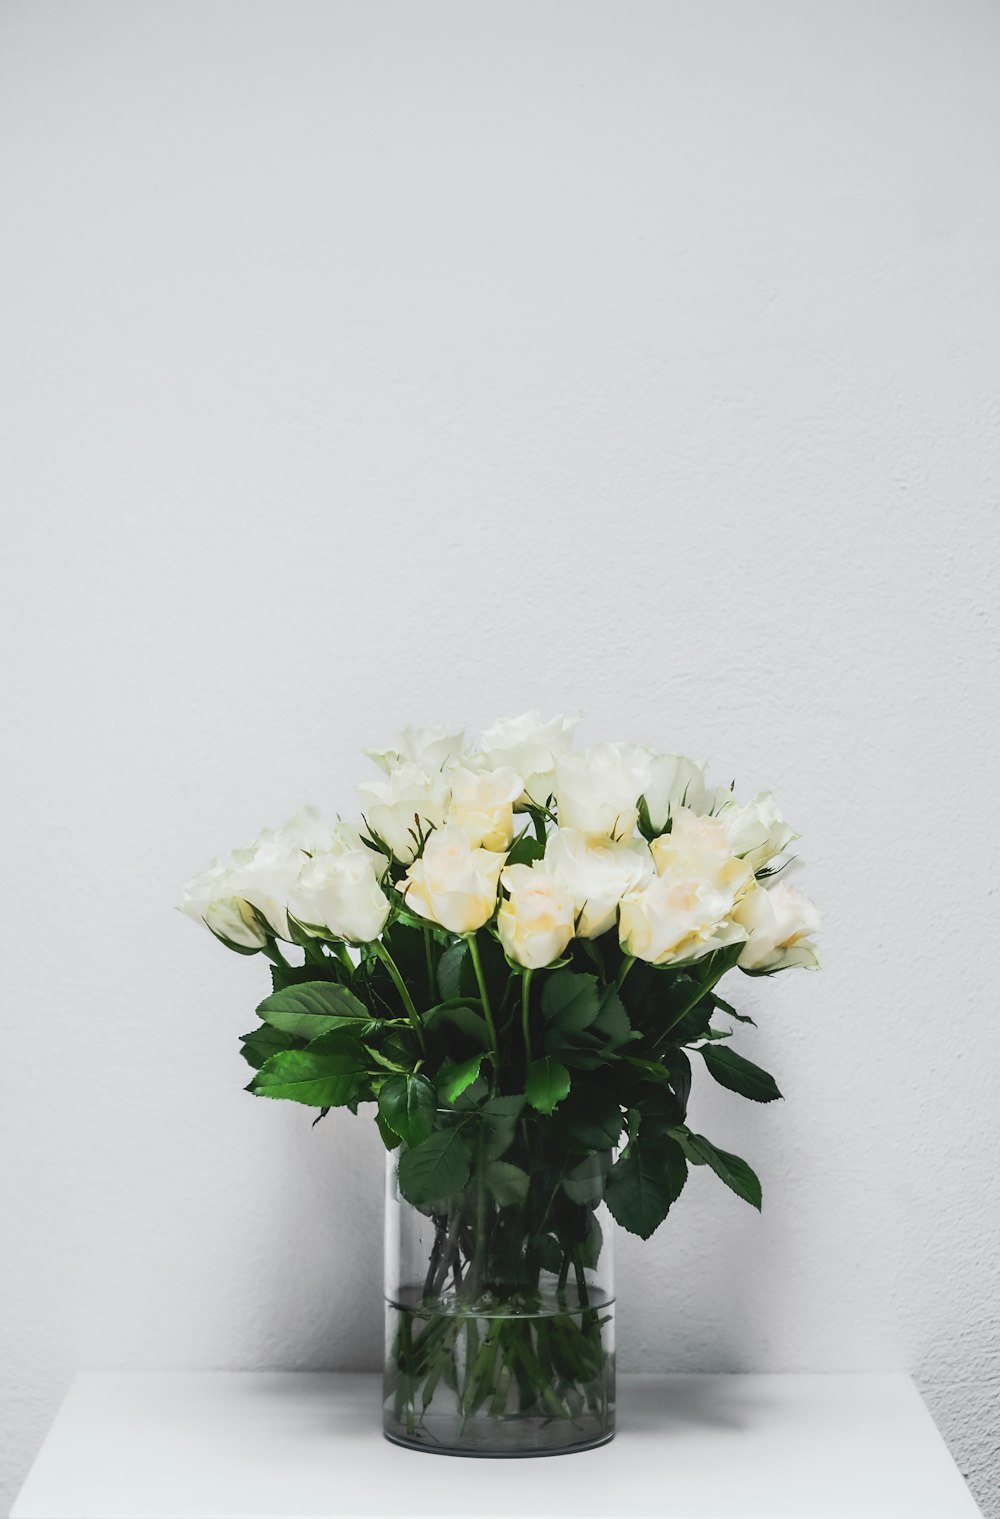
(518, 940)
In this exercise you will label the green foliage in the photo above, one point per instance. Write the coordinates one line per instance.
(508, 1183)
(316, 1007)
(328, 1073)
(460, 1077)
(326, 969)
(739, 1075)
(451, 977)
(728, 1168)
(612, 1019)
(590, 1118)
(407, 1104)
(584, 1184)
(335, 1035)
(645, 1183)
(570, 1002)
(525, 850)
(390, 1138)
(500, 1116)
(261, 1043)
(435, 1169)
(547, 1084)
(448, 1018)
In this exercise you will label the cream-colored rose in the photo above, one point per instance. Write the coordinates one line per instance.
(699, 848)
(530, 747)
(429, 749)
(597, 789)
(404, 808)
(210, 898)
(676, 781)
(757, 832)
(597, 875)
(452, 883)
(338, 894)
(536, 920)
(482, 801)
(778, 921)
(687, 910)
(676, 919)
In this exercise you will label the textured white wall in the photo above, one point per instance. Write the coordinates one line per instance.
(364, 363)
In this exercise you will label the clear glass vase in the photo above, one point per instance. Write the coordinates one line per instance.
(499, 1311)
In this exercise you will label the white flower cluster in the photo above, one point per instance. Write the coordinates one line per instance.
(622, 838)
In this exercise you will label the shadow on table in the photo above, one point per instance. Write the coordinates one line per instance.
(648, 1404)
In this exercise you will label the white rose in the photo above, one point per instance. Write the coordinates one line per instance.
(672, 920)
(482, 801)
(687, 910)
(597, 789)
(404, 808)
(308, 829)
(530, 747)
(339, 893)
(536, 921)
(757, 832)
(453, 883)
(676, 781)
(700, 847)
(429, 749)
(209, 898)
(597, 876)
(265, 875)
(778, 921)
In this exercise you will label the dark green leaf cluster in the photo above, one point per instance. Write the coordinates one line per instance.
(590, 1060)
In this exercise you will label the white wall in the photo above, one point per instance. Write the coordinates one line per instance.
(364, 363)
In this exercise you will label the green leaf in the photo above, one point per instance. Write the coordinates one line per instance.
(461, 1016)
(509, 1184)
(727, 1007)
(261, 1043)
(550, 1254)
(728, 1168)
(435, 1169)
(679, 1066)
(590, 1251)
(588, 1119)
(570, 1001)
(461, 1077)
(315, 1007)
(525, 850)
(585, 1183)
(329, 969)
(390, 1138)
(739, 1075)
(325, 1075)
(645, 1183)
(547, 1083)
(612, 1020)
(408, 1104)
(500, 1116)
(449, 972)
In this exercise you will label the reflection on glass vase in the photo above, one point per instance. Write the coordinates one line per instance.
(499, 1291)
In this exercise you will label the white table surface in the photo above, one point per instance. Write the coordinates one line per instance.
(285, 1445)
